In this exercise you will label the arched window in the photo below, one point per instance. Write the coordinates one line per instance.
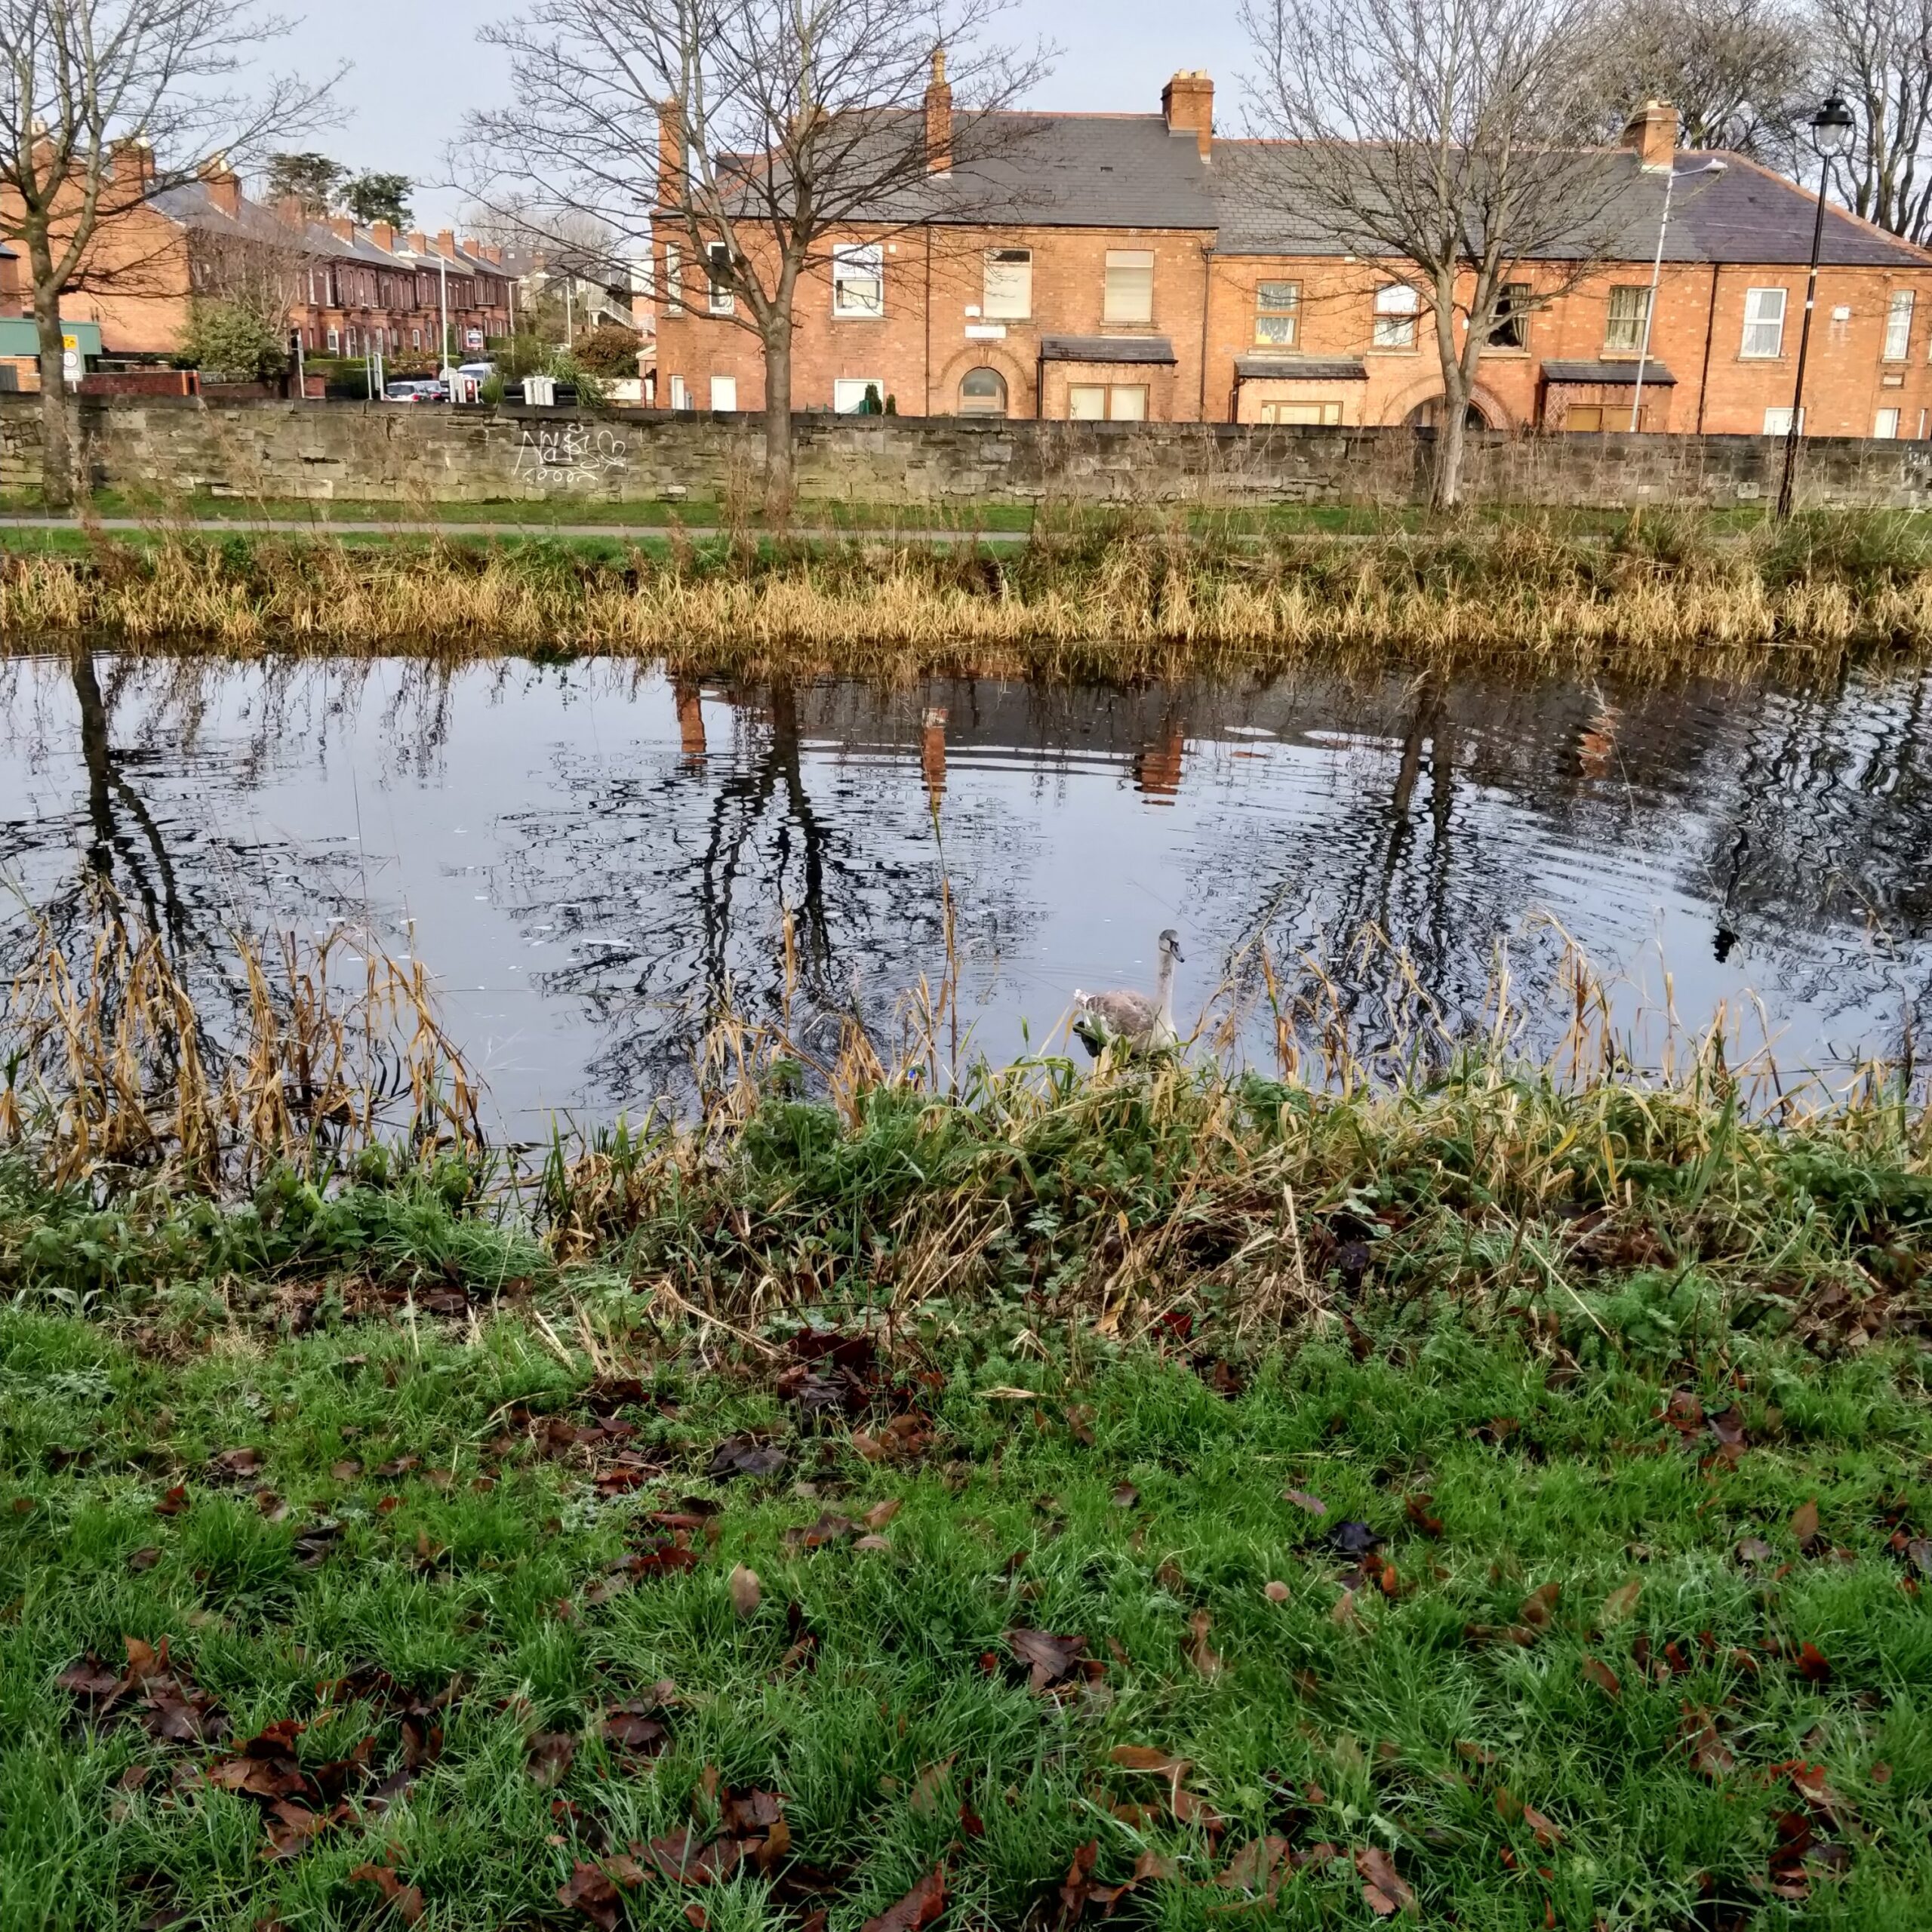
(983, 392)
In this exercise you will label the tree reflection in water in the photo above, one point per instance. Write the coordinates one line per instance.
(633, 849)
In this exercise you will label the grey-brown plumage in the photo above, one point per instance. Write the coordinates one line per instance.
(1130, 1020)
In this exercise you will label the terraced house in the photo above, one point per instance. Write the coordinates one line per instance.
(1151, 270)
(349, 289)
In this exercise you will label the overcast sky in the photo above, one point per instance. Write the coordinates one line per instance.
(417, 70)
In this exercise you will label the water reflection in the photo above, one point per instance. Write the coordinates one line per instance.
(598, 861)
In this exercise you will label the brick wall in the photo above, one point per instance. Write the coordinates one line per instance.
(351, 451)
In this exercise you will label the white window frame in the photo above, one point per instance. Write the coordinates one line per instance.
(674, 279)
(416, 338)
(1397, 307)
(853, 389)
(335, 342)
(1613, 343)
(1127, 286)
(1898, 326)
(858, 281)
(1885, 425)
(1111, 397)
(680, 393)
(1763, 340)
(1006, 292)
(1303, 412)
(1283, 313)
(1777, 421)
(723, 395)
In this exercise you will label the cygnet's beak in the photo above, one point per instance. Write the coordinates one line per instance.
(1181, 957)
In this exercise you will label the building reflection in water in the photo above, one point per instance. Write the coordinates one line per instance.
(690, 723)
(1157, 764)
(932, 752)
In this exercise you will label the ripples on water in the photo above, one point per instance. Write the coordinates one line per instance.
(588, 855)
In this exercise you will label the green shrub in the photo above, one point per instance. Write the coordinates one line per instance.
(229, 342)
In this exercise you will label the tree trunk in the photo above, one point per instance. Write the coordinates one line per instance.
(1446, 485)
(58, 480)
(779, 487)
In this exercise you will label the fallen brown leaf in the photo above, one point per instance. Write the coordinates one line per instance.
(406, 1899)
(1301, 1499)
(1275, 1592)
(1200, 1653)
(919, 1907)
(1805, 1525)
(1600, 1674)
(1383, 1891)
(1621, 1602)
(745, 1593)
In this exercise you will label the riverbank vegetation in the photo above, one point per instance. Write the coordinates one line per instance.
(1439, 1486)
(1122, 594)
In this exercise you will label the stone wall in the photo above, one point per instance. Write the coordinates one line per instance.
(396, 454)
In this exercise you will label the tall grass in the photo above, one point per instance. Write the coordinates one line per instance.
(1131, 593)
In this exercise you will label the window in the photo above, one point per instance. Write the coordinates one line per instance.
(1512, 317)
(416, 338)
(1777, 422)
(1326, 414)
(1098, 402)
(1898, 325)
(1623, 327)
(674, 284)
(1841, 326)
(1277, 312)
(1763, 324)
(335, 342)
(1395, 307)
(858, 279)
(858, 395)
(983, 392)
(718, 298)
(1886, 425)
(1008, 295)
(1129, 295)
(725, 394)
(681, 396)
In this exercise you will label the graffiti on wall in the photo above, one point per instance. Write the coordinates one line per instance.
(572, 455)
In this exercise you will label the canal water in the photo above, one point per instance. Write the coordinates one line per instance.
(592, 859)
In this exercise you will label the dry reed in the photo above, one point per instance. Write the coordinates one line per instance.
(1118, 598)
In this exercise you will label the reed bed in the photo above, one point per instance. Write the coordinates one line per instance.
(895, 1179)
(118, 1068)
(1117, 594)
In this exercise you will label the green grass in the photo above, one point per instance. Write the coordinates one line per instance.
(480, 1563)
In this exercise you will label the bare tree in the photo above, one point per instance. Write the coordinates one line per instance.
(1740, 72)
(103, 104)
(1879, 53)
(760, 132)
(1438, 139)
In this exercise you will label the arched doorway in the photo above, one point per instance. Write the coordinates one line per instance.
(1428, 415)
(983, 392)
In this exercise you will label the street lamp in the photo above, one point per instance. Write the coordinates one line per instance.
(1670, 180)
(1832, 130)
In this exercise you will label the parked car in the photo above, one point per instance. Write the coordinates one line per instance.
(420, 390)
(482, 371)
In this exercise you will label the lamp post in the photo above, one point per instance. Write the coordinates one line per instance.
(1832, 130)
(1670, 180)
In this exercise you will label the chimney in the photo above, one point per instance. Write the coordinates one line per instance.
(1651, 132)
(446, 243)
(419, 242)
(1187, 106)
(289, 211)
(382, 234)
(223, 184)
(133, 162)
(342, 226)
(670, 153)
(939, 117)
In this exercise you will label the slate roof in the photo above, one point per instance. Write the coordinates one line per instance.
(1127, 170)
(1301, 369)
(192, 206)
(1138, 348)
(1655, 374)
(1267, 200)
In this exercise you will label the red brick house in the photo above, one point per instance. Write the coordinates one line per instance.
(1141, 276)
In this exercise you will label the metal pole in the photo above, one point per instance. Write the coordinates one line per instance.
(1787, 482)
(443, 311)
(1651, 306)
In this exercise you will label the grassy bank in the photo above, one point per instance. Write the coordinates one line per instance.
(1479, 1500)
(1128, 593)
